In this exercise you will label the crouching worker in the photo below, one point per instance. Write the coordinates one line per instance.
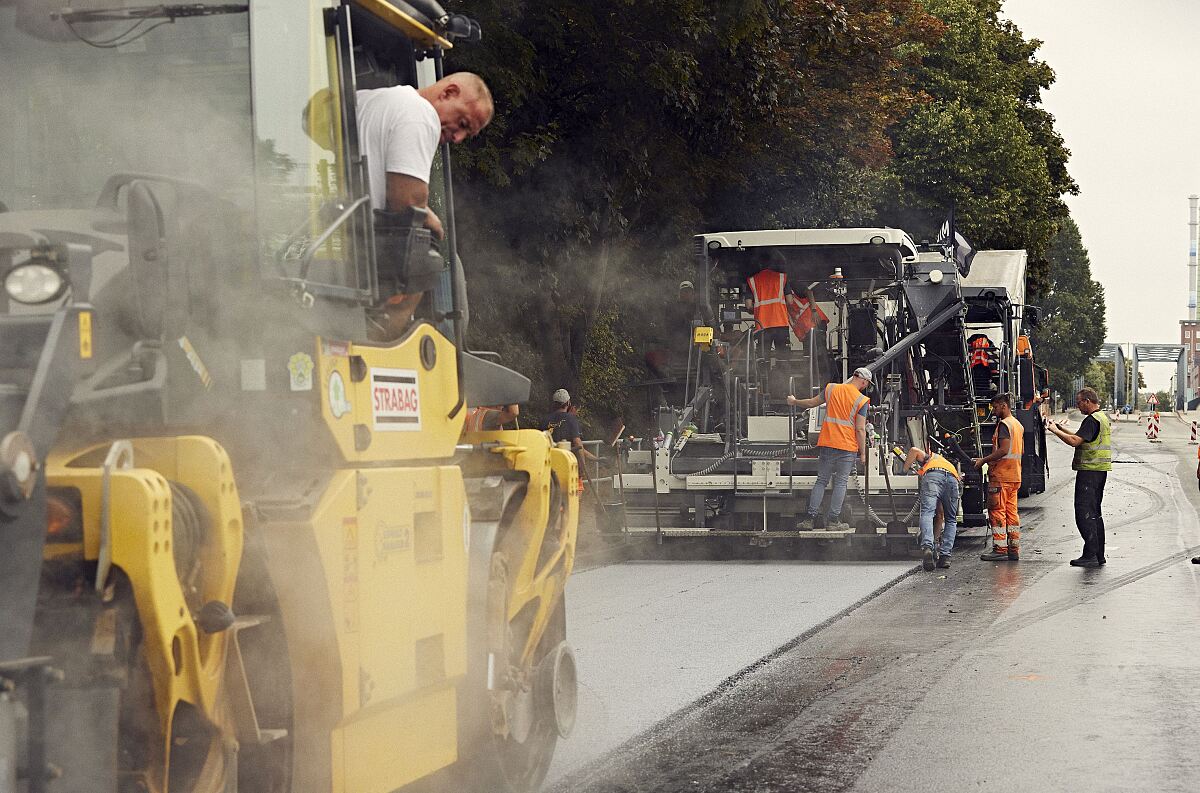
(490, 418)
(939, 488)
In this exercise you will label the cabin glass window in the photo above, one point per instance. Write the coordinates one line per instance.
(86, 101)
(299, 158)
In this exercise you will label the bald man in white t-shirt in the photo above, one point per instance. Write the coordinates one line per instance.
(399, 129)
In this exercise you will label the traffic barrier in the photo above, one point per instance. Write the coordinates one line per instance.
(1194, 441)
(1152, 428)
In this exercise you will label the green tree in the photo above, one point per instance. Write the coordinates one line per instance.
(1100, 377)
(982, 143)
(1072, 325)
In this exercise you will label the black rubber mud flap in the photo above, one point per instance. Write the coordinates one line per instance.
(22, 535)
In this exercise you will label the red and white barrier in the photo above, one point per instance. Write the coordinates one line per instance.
(1152, 428)
(1195, 429)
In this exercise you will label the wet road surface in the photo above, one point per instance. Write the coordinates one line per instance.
(652, 637)
(988, 676)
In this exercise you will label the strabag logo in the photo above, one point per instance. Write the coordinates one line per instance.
(395, 400)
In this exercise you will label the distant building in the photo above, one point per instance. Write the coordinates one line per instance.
(1189, 337)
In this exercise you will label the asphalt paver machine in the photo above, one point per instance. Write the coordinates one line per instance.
(732, 458)
(998, 323)
(244, 543)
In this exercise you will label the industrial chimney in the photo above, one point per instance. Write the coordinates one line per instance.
(1193, 228)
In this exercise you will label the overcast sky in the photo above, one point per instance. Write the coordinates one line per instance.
(1126, 104)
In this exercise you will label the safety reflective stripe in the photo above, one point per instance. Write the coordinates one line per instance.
(841, 422)
(768, 302)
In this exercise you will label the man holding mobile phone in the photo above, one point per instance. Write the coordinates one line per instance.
(1092, 462)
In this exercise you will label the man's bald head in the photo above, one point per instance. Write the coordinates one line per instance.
(463, 104)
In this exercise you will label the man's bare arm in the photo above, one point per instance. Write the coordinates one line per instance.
(1069, 438)
(405, 191)
(810, 402)
(998, 453)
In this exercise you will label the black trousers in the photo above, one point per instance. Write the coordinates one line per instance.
(1089, 493)
(776, 338)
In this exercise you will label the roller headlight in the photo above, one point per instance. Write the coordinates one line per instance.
(34, 283)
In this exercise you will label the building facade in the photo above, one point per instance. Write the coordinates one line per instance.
(1189, 337)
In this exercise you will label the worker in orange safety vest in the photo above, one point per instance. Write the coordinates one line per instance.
(1004, 480)
(938, 496)
(980, 344)
(490, 418)
(843, 440)
(767, 300)
(804, 314)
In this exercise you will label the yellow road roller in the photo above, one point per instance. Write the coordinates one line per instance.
(245, 543)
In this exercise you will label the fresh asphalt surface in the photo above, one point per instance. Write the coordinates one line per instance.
(1004, 676)
(652, 637)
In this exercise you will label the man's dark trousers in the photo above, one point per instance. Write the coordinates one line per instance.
(1089, 492)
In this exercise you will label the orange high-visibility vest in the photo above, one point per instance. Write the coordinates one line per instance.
(938, 461)
(979, 351)
(478, 418)
(803, 315)
(1008, 468)
(842, 403)
(1023, 346)
(766, 287)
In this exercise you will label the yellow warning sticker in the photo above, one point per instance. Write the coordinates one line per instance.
(85, 334)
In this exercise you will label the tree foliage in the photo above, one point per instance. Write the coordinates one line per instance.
(983, 143)
(1073, 325)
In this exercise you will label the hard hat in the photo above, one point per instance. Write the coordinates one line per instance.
(686, 285)
(864, 373)
(561, 397)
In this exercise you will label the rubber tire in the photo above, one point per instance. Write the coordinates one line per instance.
(505, 765)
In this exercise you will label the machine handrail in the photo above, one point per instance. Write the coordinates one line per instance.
(314, 246)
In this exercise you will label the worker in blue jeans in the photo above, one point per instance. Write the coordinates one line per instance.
(939, 487)
(843, 440)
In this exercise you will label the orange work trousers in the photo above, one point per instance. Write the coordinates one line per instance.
(1002, 515)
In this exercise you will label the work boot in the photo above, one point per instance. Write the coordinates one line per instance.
(1196, 560)
(1085, 561)
(996, 555)
(926, 559)
(1014, 554)
(806, 524)
(943, 562)
(838, 525)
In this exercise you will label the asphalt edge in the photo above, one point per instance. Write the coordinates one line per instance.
(669, 722)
